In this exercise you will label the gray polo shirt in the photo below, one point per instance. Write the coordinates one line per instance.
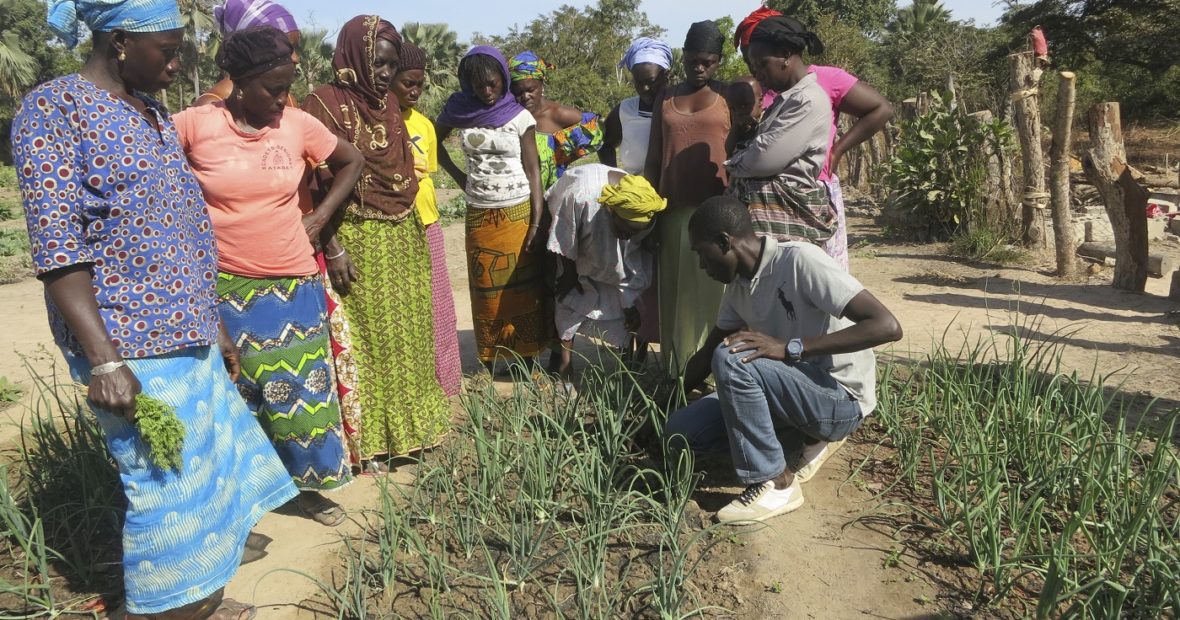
(800, 292)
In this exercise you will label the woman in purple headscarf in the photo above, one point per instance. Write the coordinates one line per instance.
(237, 15)
(504, 207)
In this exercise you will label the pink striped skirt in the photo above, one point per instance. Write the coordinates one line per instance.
(448, 366)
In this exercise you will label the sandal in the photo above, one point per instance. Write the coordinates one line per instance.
(375, 467)
(323, 510)
(233, 610)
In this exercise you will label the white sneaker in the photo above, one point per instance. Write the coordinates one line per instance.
(813, 458)
(760, 502)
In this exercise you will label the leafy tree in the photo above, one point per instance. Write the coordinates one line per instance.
(586, 46)
(921, 61)
(443, 53)
(732, 64)
(848, 47)
(919, 18)
(1130, 46)
(869, 16)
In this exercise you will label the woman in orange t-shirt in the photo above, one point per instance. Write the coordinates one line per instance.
(250, 155)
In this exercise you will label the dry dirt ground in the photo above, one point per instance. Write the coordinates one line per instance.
(817, 562)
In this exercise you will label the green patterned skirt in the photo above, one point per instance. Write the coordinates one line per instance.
(401, 404)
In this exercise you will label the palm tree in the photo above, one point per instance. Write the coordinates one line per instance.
(443, 53)
(315, 56)
(18, 70)
(198, 27)
(919, 17)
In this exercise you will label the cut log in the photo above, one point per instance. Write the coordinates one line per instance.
(1124, 198)
(1158, 265)
(1059, 174)
(1025, 88)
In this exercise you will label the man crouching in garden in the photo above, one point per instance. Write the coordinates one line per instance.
(791, 352)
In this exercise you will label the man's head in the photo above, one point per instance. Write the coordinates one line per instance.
(715, 231)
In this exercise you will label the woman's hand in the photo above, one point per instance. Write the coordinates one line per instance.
(229, 354)
(532, 240)
(342, 273)
(314, 223)
(115, 392)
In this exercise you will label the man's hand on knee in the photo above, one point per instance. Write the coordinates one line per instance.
(760, 346)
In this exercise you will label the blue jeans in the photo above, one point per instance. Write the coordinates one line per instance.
(753, 401)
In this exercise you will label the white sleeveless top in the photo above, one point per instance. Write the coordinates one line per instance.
(636, 132)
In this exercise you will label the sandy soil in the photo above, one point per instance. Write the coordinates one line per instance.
(817, 562)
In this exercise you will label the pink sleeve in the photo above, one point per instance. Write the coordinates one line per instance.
(184, 128)
(835, 81)
(318, 141)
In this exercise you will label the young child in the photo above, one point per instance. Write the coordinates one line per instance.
(744, 97)
(601, 215)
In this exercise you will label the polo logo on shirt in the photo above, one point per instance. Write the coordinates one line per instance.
(277, 157)
(787, 305)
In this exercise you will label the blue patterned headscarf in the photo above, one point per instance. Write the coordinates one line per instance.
(107, 15)
(644, 49)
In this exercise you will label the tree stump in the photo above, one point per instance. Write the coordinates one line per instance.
(1024, 84)
(1059, 174)
(1125, 199)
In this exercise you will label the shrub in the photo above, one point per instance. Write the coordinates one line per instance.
(13, 242)
(7, 177)
(938, 176)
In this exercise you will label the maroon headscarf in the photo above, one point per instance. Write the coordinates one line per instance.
(354, 109)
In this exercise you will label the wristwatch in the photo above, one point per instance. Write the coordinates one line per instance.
(795, 350)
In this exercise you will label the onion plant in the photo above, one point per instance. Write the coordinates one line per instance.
(542, 504)
(1051, 485)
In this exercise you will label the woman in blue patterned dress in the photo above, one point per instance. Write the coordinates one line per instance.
(122, 241)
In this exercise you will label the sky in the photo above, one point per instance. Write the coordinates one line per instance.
(497, 16)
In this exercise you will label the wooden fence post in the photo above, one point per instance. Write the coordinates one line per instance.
(1126, 201)
(1059, 174)
(1025, 90)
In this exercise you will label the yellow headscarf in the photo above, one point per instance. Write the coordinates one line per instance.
(633, 199)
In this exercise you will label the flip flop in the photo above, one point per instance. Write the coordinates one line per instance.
(324, 511)
(233, 610)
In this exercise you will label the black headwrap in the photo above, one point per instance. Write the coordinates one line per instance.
(704, 37)
(781, 31)
(254, 51)
(412, 58)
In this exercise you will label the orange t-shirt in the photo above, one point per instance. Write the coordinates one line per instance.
(252, 183)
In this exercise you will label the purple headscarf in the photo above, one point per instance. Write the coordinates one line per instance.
(464, 110)
(236, 15)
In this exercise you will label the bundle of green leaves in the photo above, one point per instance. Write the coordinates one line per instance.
(162, 431)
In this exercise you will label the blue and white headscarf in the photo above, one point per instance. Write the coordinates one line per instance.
(65, 16)
(644, 49)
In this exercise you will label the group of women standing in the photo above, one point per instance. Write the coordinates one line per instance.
(302, 245)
